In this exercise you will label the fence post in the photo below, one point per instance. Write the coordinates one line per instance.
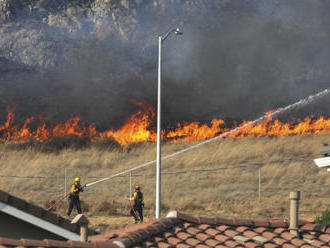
(65, 180)
(259, 170)
(130, 184)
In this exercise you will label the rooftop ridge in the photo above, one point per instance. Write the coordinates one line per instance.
(39, 212)
(4, 242)
(218, 220)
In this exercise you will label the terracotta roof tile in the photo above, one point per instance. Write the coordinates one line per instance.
(242, 229)
(187, 224)
(181, 245)
(174, 241)
(279, 241)
(287, 235)
(250, 234)
(188, 218)
(222, 228)
(202, 236)
(158, 239)
(212, 242)
(212, 231)
(269, 235)
(241, 239)
(298, 242)
(243, 222)
(270, 245)
(307, 246)
(193, 230)
(317, 243)
(288, 246)
(127, 242)
(165, 245)
(149, 244)
(230, 233)
(280, 230)
(168, 234)
(262, 223)
(259, 229)
(221, 237)
(202, 246)
(54, 243)
(11, 242)
(209, 221)
(183, 235)
(260, 239)
(224, 221)
(204, 226)
(102, 245)
(192, 241)
(325, 237)
(29, 242)
(221, 246)
(308, 237)
(178, 229)
(278, 223)
(231, 243)
(251, 245)
(314, 227)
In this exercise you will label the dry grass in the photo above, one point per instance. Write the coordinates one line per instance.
(286, 165)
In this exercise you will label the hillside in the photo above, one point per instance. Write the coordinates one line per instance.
(286, 165)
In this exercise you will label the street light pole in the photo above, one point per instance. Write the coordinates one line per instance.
(159, 128)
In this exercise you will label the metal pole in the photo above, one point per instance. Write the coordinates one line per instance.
(158, 164)
(130, 184)
(259, 183)
(65, 180)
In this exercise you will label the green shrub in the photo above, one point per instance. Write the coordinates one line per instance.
(324, 218)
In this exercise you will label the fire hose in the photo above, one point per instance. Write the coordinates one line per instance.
(302, 102)
(57, 202)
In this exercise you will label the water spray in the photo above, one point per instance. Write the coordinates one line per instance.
(278, 111)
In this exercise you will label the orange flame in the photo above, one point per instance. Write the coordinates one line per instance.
(138, 128)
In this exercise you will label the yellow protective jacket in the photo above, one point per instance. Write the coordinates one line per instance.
(75, 189)
(137, 197)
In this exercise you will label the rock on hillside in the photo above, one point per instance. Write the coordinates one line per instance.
(37, 33)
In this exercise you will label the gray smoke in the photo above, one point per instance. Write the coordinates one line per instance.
(236, 59)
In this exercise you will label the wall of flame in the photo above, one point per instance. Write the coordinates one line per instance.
(138, 128)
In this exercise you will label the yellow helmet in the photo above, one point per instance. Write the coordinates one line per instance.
(77, 179)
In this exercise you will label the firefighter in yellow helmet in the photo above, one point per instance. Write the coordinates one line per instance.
(74, 196)
(137, 204)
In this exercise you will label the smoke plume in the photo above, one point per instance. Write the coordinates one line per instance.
(236, 59)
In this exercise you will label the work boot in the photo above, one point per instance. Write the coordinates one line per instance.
(136, 221)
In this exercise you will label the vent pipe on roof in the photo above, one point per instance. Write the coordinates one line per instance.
(294, 212)
(82, 221)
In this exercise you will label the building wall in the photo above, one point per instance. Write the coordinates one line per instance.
(12, 227)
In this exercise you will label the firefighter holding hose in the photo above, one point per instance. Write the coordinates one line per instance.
(74, 196)
(137, 204)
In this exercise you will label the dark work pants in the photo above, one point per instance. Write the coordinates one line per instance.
(139, 210)
(74, 201)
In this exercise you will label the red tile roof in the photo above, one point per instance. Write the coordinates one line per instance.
(181, 230)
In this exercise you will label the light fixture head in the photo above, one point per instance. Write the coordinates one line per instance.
(177, 31)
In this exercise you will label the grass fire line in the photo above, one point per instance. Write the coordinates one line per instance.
(302, 102)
